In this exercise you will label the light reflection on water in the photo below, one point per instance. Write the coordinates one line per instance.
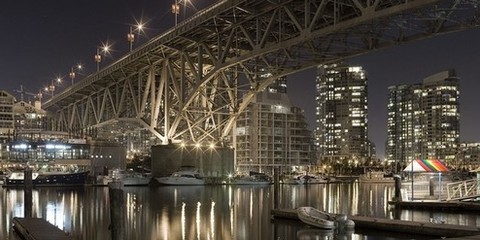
(210, 212)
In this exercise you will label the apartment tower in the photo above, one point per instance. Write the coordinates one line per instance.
(341, 114)
(423, 119)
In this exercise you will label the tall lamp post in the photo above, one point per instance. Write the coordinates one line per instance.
(51, 88)
(72, 71)
(131, 38)
(98, 59)
(131, 35)
(104, 49)
(176, 11)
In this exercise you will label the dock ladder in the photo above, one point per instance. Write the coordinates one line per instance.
(463, 190)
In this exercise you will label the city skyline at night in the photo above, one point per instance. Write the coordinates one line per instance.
(45, 40)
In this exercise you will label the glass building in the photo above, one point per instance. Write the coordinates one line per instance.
(423, 119)
(341, 115)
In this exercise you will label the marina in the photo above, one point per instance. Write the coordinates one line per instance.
(239, 211)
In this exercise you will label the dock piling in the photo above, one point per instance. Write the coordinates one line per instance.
(117, 210)
(28, 185)
(276, 187)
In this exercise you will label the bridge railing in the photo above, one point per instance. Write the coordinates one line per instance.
(462, 189)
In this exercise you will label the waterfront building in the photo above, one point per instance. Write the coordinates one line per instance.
(28, 116)
(468, 156)
(24, 139)
(341, 115)
(272, 132)
(423, 120)
(7, 102)
(403, 124)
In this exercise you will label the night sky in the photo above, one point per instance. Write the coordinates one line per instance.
(41, 40)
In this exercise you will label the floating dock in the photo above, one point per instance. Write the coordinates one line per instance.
(423, 228)
(437, 205)
(38, 229)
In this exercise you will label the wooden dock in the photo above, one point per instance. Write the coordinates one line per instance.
(38, 229)
(437, 205)
(410, 227)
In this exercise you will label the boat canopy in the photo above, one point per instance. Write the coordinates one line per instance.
(426, 165)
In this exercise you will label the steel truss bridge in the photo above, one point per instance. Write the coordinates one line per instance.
(191, 82)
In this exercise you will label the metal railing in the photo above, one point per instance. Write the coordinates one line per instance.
(463, 190)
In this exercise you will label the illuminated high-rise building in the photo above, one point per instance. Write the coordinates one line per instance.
(423, 119)
(341, 114)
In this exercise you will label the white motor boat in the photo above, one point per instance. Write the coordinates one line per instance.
(320, 219)
(183, 177)
(129, 178)
(252, 179)
(293, 179)
(304, 179)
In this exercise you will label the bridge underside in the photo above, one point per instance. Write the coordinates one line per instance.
(191, 82)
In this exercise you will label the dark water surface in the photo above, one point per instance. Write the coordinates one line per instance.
(213, 212)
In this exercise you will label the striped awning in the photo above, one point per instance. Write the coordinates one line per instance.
(426, 165)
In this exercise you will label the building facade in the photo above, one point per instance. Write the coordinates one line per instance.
(468, 157)
(423, 120)
(341, 133)
(403, 124)
(271, 133)
(7, 122)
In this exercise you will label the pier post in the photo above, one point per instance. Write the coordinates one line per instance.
(117, 210)
(398, 186)
(431, 187)
(276, 187)
(28, 182)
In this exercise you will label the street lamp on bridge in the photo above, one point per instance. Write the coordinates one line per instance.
(131, 35)
(51, 88)
(104, 49)
(176, 8)
(72, 73)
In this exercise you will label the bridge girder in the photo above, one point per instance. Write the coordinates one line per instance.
(191, 82)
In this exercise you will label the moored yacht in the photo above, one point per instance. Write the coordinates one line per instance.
(128, 178)
(253, 178)
(39, 179)
(182, 177)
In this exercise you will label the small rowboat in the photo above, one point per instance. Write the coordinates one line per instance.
(317, 218)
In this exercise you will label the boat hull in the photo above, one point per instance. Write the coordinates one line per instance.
(320, 219)
(179, 181)
(57, 179)
(251, 182)
(127, 178)
(315, 218)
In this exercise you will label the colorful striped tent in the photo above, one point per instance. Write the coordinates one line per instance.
(426, 165)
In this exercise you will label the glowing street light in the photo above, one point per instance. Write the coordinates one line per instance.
(131, 35)
(51, 88)
(105, 49)
(72, 73)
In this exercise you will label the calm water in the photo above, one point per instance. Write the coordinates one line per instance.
(212, 212)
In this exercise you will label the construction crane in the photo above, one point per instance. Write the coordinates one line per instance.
(22, 91)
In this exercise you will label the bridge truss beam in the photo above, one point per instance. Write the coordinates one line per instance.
(191, 82)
